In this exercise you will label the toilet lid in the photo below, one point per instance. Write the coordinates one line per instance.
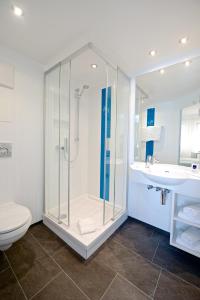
(13, 216)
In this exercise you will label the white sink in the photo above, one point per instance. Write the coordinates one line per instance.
(166, 174)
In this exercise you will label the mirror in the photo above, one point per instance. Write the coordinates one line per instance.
(167, 114)
(190, 135)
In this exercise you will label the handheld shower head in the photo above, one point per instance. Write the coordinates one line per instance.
(79, 92)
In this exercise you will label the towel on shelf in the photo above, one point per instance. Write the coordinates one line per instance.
(86, 225)
(192, 210)
(188, 217)
(191, 237)
(184, 244)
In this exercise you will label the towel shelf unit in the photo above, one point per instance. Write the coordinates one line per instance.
(177, 222)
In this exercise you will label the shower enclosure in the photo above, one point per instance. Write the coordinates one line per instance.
(86, 149)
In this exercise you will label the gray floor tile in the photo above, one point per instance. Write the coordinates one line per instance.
(26, 249)
(31, 265)
(132, 266)
(9, 288)
(61, 288)
(3, 262)
(48, 240)
(180, 263)
(172, 288)
(120, 289)
(92, 277)
(140, 237)
(33, 278)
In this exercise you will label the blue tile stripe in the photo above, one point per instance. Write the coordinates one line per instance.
(150, 122)
(105, 133)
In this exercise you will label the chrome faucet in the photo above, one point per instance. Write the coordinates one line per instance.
(150, 160)
(154, 160)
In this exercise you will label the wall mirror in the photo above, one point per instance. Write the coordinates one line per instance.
(167, 114)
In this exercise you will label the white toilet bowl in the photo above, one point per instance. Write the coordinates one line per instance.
(15, 220)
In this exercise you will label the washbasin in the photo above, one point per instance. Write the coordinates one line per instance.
(165, 174)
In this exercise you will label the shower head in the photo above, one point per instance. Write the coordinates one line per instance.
(79, 92)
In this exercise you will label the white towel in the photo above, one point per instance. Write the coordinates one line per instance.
(192, 210)
(184, 244)
(151, 133)
(86, 225)
(191, 236)
(188, 217)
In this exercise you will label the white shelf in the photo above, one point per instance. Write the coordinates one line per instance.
(193, 252)
(178, 221)
(185, 221)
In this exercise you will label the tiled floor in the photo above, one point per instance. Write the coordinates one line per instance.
(136, 263)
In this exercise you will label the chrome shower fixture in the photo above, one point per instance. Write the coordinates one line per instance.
(79, 92)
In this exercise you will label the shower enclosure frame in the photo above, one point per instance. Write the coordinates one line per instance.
(56, 225)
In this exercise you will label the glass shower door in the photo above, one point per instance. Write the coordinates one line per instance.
(52, 142)
(110, 110)
(57, 143)
(64, 133)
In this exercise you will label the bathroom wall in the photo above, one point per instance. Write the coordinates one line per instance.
(21, 123)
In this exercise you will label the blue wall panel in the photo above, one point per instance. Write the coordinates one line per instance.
(105, 133)
(150, 122)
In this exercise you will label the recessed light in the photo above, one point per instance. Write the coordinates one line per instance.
(93, 66)
(183, 40)
(187, 63)
(152, 52)
(17, 11)
(162, 71)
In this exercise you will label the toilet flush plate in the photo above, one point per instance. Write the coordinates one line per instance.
(5, 150)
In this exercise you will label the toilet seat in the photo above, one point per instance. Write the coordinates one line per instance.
(12, 217)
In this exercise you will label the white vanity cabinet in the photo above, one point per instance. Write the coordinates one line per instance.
(145, 204)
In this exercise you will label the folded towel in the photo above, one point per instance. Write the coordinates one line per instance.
(191, 236)
(184, 244)
(193, 210)
(194, 219)
(86, 225)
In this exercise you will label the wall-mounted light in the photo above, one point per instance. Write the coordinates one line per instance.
(162, 71)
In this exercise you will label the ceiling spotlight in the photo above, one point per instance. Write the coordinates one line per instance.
(152, 52)
(93, 66)
(17, 11)
(184, 40)
(162, 71)
(187, 63)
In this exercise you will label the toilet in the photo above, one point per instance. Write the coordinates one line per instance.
(15, 220)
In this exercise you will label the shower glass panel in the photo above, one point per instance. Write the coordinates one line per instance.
(57, 142)
(52, 142)
(64, 132)
(122, 133)
(110, 110)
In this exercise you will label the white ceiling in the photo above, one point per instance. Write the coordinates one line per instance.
(125, 30)
(177, 81)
